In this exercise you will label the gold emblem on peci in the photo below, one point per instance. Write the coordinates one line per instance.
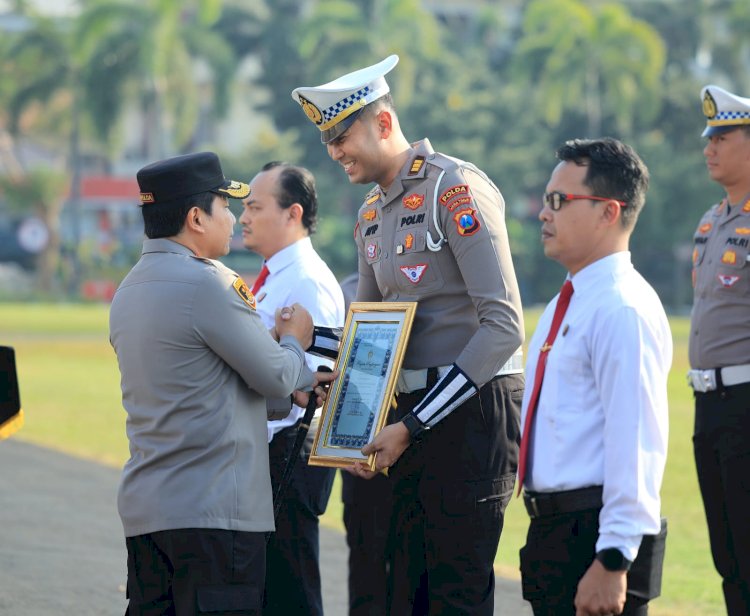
(311, 111)
(709, 105)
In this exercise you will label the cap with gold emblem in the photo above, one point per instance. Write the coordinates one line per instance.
(724, 111)
(334, 106)
(182, 176)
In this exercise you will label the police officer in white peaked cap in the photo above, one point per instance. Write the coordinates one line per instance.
(719, 347)
(432, 230)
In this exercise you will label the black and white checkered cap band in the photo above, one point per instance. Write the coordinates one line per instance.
(326, 341)
(450, 392)
(334, 110)
(722, 116)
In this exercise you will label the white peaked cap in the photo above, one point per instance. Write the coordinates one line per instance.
(335, 105)
(724, 111)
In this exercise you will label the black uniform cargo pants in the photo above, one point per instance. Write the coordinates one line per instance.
(450, 491)
(195, 571)
(722, 457)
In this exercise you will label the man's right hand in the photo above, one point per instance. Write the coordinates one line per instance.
(295, 321)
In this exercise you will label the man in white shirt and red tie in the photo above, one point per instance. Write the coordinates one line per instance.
(278, 217)
(595, 421)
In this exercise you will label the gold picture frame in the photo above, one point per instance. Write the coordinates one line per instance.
(370, 357)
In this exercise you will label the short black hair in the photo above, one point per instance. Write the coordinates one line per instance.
(296, 185)
(378, 105)
(167, 218)
(614, 170)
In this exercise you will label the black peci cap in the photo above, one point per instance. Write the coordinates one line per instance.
(182, 176)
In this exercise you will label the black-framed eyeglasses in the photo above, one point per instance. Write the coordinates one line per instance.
(555, 200)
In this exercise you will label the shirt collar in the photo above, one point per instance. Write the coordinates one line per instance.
(592, 276)
(289, 255)
(163, 244)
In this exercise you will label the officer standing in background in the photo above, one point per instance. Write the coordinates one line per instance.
(196, 362)
(596, 418)
(719, 347)
(278, 217)
(432, 230)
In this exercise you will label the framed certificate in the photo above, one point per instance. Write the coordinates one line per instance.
(370, 356)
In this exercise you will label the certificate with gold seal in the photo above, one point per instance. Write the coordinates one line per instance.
(370, 356)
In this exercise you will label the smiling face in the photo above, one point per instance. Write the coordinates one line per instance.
(573, 235)
(359, 150)
(728, 159)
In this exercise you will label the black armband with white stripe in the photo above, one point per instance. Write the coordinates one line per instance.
(451, 391)
(326, 341)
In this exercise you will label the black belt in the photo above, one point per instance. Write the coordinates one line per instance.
(541, 504)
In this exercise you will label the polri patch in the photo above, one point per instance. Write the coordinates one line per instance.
(729, 257)
(369, 215)
(467, 222)
(244, 292)
(705, 228)
(746, 207)
(414, 272)
(413, 201)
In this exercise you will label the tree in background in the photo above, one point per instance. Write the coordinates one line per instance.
(593, 61)
(165, 57)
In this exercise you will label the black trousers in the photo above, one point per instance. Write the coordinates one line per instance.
(292, 554)
(721, 443)
(450, 492)
(195, 571)
(559, 550)
(367, 513)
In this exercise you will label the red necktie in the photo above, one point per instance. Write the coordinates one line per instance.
(260, 279)
(562, 305)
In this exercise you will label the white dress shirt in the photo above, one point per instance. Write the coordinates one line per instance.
(602, 417)
(298, 274)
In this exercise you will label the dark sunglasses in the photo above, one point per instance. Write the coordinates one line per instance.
(555, 200)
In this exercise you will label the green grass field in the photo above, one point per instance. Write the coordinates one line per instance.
(71, 398)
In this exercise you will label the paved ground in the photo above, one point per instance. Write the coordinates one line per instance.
(62, 551)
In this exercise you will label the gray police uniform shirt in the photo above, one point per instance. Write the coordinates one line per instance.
(719, 330)
(195, 362)
(469, 310)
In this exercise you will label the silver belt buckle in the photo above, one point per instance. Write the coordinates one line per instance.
(702, 380)
(531, 507)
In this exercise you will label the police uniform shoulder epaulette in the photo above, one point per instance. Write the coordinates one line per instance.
(445, 162)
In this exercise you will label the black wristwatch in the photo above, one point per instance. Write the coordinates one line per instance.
(613, 560)
(415, 427)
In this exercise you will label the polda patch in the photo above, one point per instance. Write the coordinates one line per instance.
(452, 192)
